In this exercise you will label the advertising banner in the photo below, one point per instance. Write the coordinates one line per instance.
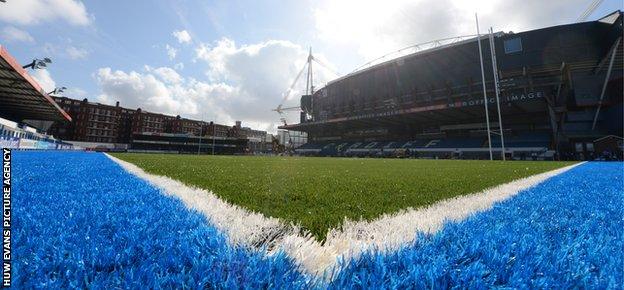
(10, 142)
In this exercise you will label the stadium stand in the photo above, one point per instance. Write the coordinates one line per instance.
(524, 139)
(457, 143)
(560, 89)
(185, 143)
(14, 137)
(23, 103)
(22, 98)
(522, 145)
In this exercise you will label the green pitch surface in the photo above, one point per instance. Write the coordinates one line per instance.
(319, 193)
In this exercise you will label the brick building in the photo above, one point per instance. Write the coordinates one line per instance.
(179, 125)
(146, 122)
(100, 123)
(92, 122)
(219, 130)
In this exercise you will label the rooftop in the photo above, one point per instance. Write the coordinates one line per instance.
(22, 97)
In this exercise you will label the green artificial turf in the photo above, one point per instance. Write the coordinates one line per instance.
(319, 193)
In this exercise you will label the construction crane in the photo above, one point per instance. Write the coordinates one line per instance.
(309, 90)
(589, 10)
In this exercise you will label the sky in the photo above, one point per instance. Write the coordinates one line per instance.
(229, 60)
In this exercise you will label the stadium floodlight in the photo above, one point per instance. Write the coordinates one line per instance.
(38, 63)
(57, 91)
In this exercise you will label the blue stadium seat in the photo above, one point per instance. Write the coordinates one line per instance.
(419, 143)
(457, 142)
(524, 139)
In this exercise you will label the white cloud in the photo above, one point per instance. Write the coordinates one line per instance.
(29, 12)
(171, 52)
(179, 66)
(379, 27)
(75, 93)
(76, 53)
(43, 77)
(166, 74)
(182, 36)
(13, 34)
(159, 90)
(244, 83)
(262, 73)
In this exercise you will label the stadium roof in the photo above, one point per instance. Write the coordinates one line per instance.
(22, 97)
(440, 44)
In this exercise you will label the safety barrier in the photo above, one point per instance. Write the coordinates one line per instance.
(21, 143)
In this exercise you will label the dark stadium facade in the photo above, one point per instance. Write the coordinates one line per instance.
(431, 103)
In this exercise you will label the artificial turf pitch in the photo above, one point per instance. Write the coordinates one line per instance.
(319, 193)
(83, 222)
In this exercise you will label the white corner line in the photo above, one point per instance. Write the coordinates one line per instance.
(387, 233)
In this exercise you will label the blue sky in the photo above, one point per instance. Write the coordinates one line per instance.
(235, 59)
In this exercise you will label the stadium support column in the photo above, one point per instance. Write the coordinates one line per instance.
(497, 90)
(604, 86)
(485, 103)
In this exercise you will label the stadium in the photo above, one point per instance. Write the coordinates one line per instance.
(560, 89)
(102, 195)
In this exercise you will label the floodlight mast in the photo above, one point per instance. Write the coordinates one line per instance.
(38, 63)
(57, 91)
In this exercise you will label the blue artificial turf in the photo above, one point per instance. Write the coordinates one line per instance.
(565, 233)
(81, 221)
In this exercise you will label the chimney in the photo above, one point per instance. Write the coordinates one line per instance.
(117, 104)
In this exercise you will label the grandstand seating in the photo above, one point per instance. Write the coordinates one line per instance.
(12, 136)
(472, 147)
(310, 149)
(457, 143)
(310, 146)
(535, 140)
(392, 145)
(420, 143)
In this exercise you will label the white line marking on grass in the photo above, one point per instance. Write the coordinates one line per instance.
(240, 225)
(387, 233)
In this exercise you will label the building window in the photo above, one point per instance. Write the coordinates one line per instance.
(590, 147)
(513, 45)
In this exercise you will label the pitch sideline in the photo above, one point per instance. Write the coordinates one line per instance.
(386, 233)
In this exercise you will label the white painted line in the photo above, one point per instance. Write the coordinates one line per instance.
(240, 225)
(387, 233)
